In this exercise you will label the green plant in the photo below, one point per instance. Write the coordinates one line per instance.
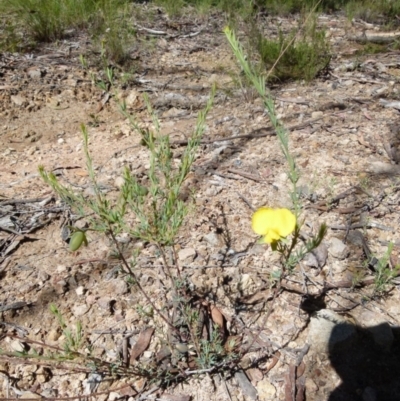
(160, 219)
(246, 8)
(278, 221)
(330, 184)
(10, 39)
(69, 358)
(172, 7)
(151, 210)
(102, 83)
(115, 31)
(364, 181)
(384, 12)
(373, 48)
(50, 20)
(357, 277)
(212, 350)
(295, 56)
(384, 274)
(73, 339)
(258, 81)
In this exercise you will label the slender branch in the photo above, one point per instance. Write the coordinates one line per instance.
(137, 283)
(262, 327)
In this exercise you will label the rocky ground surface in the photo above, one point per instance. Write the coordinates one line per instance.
(329, 336)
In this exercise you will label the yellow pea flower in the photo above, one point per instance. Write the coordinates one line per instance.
(273, 224)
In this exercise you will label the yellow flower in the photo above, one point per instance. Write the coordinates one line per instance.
(273, 224)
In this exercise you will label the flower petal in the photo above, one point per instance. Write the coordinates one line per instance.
(272, 236)
(273, 224)
(285, 222)
(261, 220)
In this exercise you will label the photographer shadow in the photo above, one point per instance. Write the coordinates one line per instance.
(368, 363)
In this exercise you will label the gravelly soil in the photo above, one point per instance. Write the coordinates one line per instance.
(345, 144)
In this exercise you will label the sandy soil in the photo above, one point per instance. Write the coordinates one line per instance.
(345, 143)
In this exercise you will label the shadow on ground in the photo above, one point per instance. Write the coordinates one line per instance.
(368, 364)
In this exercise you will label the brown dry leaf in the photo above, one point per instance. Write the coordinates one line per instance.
(201, 323)
(366, 115)
(259, 296)
(28, 395)
(300, 388)
(300, 369)
(163, 353)
(128, 390)
(102, 103)
(82, 173)
(188, 187)
(305, 163)
(192, 363)
(217, 316)
(275, 360)
(290, 383)
(175, 397)
(361, 139)
(142, 343)
(255, 375)
(394, 260)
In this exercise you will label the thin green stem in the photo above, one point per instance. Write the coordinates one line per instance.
(136, 280)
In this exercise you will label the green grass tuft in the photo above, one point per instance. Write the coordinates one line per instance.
(304, 58)
(51, 20)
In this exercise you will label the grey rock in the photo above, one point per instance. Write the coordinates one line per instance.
(133, 99)
(17, 346)
(43, 276)
(355, 237)
(310, 260)
(247, 388)
(19, 100)
(212, 239)
(218, 256)
(328, 330)
(60, 286)
(187, 253)
(266, 390)
(338, 250)
(35, 73)
(257, 249)
(104, 303)
(378, 327)
(321, 254)
(119, 182)
(383, 335)
(305, 192)
(383, 168)
(118, 287)
(6, 222)
(212, 191)
(317, 114)
(80, 310)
